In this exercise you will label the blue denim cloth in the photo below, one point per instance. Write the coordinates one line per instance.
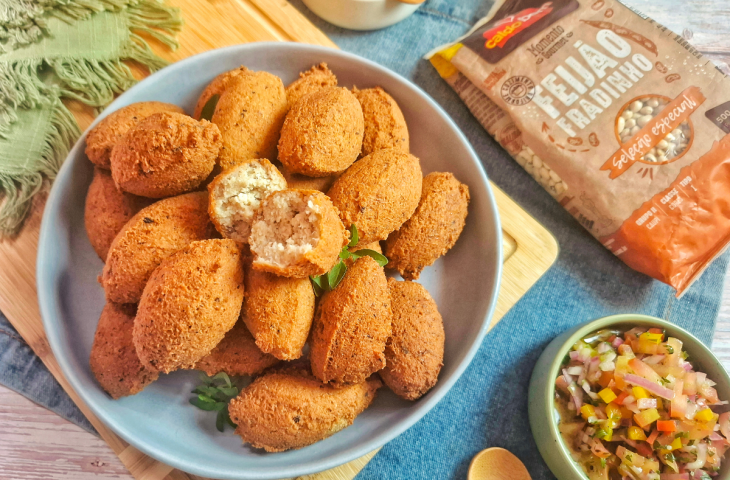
(488, 406)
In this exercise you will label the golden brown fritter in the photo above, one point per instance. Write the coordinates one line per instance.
(236, 194)
(101, 139)
(279, 312)
(107, 210)
(114, 360)
(433, 229)
(378, 193)
(303, 182)
(322, 134)
(385, 126)
(237, 354)
(352, 326)
(189, 303)
(250, 113)
(291, 409)
(375, 246)
(314, 79)
(153, 234)
(217, 87)
(415, 352)
(297, 233)
(165, 154)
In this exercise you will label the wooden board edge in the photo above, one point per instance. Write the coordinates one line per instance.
(535, 253)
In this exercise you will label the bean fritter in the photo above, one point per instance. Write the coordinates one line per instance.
(107, 210)
(314, 79)
(385, 126)
(153, 234)
(296, 233)
(433, 229)
(165, 154)
(291, 409)
(415, 351)
(236, 354)
(250, 113)
(351, 326)
(378, 193)
(114, 360)
(189, 303)
(101, 139)
(322, 134)
(217, 87)
(279, 312)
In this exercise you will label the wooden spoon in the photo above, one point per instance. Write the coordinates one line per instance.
(497, 464)
(412, 2)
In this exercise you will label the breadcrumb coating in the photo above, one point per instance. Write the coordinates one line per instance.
(250, 113)
(378, 193)
(236, 354)
(165, 154)
(291, 409)
(352, 326)
(279, 312)
(433, 229)
(189, 303)
(322, 133)
(385, 126)
(314, 79)
(101, 139)
(113, 359)
(415, 351)
(153, 234)
(217, 87)
(107, 210)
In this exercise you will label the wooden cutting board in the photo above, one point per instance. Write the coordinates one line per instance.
(529, 249)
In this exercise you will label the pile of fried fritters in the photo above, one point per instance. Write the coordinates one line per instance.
(211, 230)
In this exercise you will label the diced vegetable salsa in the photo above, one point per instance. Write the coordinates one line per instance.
(632, 407)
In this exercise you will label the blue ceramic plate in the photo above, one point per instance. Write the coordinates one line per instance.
(159, 421)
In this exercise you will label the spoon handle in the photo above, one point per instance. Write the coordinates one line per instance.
(412, 2)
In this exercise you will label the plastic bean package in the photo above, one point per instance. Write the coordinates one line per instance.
(619, 119)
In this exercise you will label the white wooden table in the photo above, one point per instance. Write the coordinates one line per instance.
(36, 444)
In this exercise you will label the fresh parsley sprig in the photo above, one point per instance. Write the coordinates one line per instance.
(328, 281)
(214, 395)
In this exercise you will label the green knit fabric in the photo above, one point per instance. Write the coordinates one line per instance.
(81, 60)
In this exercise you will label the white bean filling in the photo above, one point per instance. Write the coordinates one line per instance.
(287, 228)
(238, 195)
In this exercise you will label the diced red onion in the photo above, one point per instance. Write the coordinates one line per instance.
(714, 436)
(575, 370)
(687, 366)
(617, 342)
(575, 395)
(701, 377)
(674, 476)
(724, 423)
(650, 386)
(567, 376)
(603, 347)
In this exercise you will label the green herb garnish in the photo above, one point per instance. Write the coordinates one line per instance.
(603, 463)
(214, 395)
(669, 349)
(329, 281)
(209, 108)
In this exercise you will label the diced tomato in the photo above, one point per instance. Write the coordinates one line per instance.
(666, 426)
(650, 439)
(655, 330)
(621, 397)
(644, 449)
(679, 402)
(690, 383)
(605, 379)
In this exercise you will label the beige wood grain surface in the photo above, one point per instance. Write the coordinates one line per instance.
(36, 444)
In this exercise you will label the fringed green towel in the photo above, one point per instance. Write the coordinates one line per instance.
(23, 21)
(82, 60)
